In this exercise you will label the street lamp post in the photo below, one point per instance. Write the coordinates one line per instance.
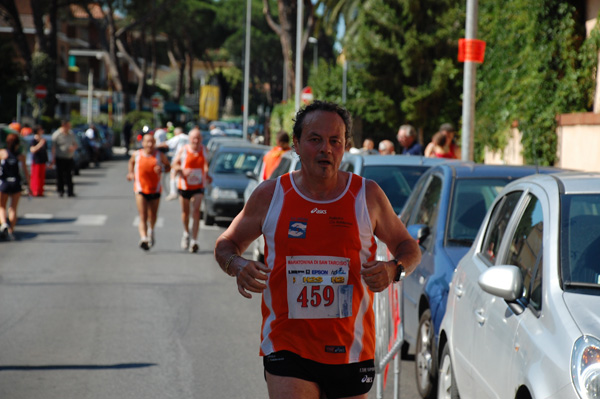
(314, 41)
(247, 70)
(299, 22)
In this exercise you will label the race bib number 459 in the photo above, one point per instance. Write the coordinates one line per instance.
(318, 287)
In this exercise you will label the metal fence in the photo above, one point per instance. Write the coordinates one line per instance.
(389, 331)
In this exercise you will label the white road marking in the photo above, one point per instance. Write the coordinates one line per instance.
(45, 216)
(90, 220)
(160, 222)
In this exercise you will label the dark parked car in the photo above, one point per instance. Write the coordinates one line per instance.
(229, 168)
(444, 213)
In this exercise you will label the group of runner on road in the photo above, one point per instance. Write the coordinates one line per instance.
(190, 171)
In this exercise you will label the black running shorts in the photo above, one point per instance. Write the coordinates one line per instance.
(150, 197)
(335, 380)
(188, 194)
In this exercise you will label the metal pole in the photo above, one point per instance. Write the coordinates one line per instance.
(247, 69)
(344, 81)
(299, 22)
(468, 111)
(19, 107)
(90, 92)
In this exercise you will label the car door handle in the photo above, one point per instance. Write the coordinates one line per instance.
(458, 290)
(479, 316)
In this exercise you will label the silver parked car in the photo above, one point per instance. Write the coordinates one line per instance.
(523, 312)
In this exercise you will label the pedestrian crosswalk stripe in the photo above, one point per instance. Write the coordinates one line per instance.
(160, 222)
(90, 220)
(45, 216)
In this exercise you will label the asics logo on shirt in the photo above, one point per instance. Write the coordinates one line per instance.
(319, 211)
(367, 380)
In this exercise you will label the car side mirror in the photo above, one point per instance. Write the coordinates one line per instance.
(504, 281)
(419, 232)
(251, 175)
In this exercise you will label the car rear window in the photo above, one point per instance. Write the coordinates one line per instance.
(396, 182)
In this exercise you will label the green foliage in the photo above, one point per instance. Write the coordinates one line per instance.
(282, 117)
(537, 65)
(139, 119)
(77, 119)
(404, 53)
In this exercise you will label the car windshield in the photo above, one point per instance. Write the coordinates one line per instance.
(396, 181)
(470, 202)
(580, 240)
(235, 162)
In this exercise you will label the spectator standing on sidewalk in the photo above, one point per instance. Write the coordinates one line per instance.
(145, 168)
(64, 145)
(127, 128)
(92, 135)
(190, 168)
(386, 147)
(407, 137)
(39, 151)
(11, 159)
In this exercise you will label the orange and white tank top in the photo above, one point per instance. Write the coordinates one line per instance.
(195, 161)
(146, 181)
(316, 303)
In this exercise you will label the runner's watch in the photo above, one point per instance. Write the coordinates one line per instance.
(400, 273)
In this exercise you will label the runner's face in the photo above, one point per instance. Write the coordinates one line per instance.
(148, 143)
(322, 143)
(195, 138)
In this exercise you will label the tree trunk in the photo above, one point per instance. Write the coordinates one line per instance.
(139, 95)
(190, 74)
(286, 30)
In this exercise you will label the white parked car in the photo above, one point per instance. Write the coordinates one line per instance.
(523, 312)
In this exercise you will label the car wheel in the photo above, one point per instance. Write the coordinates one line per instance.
(447, 388)
(209, 220)
(425, 371)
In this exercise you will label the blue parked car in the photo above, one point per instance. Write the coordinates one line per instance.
(444, 213)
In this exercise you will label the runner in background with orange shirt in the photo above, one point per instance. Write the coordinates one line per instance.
(190, 169)
(145, 168)
(273, 157)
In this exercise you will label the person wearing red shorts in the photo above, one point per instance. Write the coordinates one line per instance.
(145, 168)
(320, 272)
(39, 151)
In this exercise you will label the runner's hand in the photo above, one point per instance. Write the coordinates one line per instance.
(378, 275)
(249, 276)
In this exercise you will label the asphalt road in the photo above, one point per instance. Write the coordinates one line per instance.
(86, 314)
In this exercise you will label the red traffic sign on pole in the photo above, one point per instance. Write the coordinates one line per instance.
(306, 96)
(471, 50)
(40, 92)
